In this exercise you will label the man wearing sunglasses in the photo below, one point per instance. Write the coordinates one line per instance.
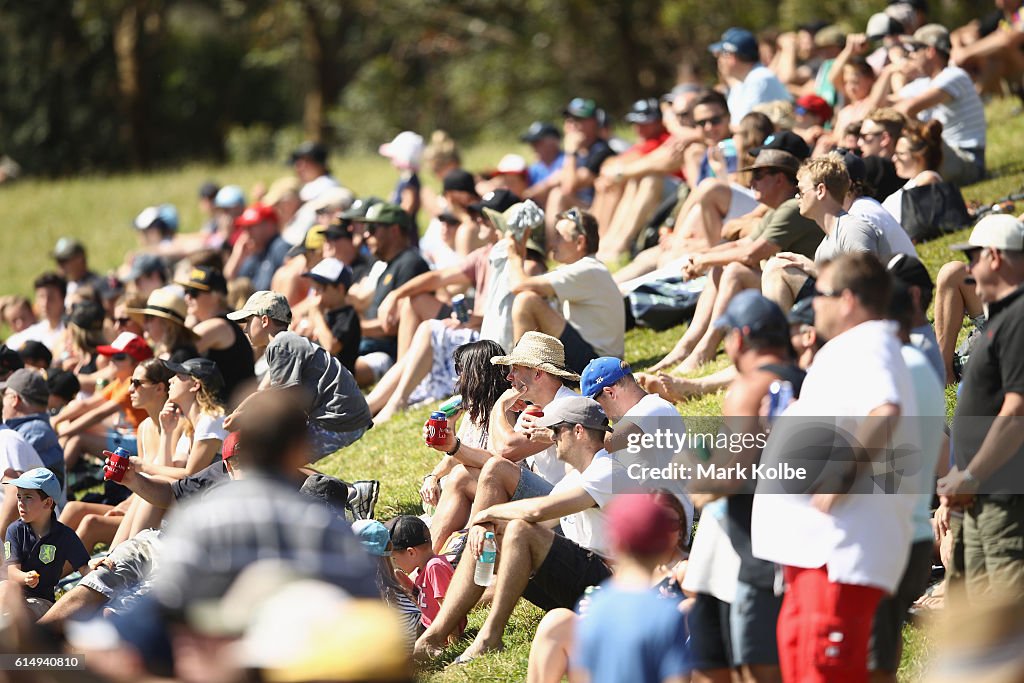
(988, 434)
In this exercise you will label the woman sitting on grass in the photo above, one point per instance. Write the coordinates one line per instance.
(98, 523)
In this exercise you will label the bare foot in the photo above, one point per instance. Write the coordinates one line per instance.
(425, 650)
(477, 648)
(385, 414)
(679, 388)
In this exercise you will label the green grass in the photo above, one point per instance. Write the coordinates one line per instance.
(99, 211)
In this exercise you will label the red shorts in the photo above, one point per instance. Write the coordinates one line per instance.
(824, 628)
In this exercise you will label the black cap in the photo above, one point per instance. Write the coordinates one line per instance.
(539, 130)
(910, 271)
(87, 314)
(10, 360)
(499, 200)
(205, 279)
(64, 384)
(644, 111)
(854, 166)
(203, 369)
(314, 151)
(340, 228)
(787, 141)
(802, 312)
(359, 208)
(407, 531)
(332, 492)
(920, 5)
(33, 350)
(459, 181)
(208, 190)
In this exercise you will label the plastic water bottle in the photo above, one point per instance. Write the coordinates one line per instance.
(780, 395)
(484, 573)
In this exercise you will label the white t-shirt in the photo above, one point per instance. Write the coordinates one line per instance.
(714, 565)
(592, 303)
(546, 463)
(653, 414)
(314, 188)
(40, 332)
(206, 427)
(16, 453)
(865, 538)
(892, 238)
(587, 528)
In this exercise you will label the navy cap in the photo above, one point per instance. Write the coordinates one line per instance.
(315, 151)
(787, 141)
(145, 264)
(407, 531)
(539, 130)
(644, 111)
(602, 372)
(854, 166)
(498, 200)
(737, 41)
(802, 312)
(752, 310)
(331, 271)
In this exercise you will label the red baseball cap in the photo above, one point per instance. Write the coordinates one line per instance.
(814, 105)
(639, 525)
(257, 213)
(229, 447)
(130, 343)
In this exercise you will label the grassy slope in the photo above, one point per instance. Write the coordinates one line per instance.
(99, 210)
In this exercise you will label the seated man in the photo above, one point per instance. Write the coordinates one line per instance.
(990, 49)
(591, 321)
(736, 266)
(548, 568)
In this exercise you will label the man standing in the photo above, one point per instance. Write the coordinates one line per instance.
(591, 321)
(841, 553)
(750, 82)
(988, 434)
(547, 568)
(310, 163)
(947, 94)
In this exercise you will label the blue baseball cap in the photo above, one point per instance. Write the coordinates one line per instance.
(602, 372)
(752, 310)
(738, 41)
(373, 535)
(229, 197)
(40, 479)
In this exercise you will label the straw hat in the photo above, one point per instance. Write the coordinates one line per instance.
(540, 351)
(167, 303)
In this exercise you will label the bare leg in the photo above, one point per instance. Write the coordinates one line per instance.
(415, 366)
(698, 324)
(735, 278)
(75, 511)
(147, 516)
(549, 652)
(953, 298)
(630, 216)
(530, 311)
(79, 601)
(378, 398)
(781, 282)
(498, 481)
(9, 507)
(453, 508)
(645, 262)
(524, 546)
(605, 202)
(98, 529)
(412, 312)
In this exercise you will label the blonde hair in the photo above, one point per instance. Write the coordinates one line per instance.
(888, 118)
(441, 150)
(829, 171)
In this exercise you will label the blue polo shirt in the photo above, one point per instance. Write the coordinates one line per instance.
(45, 555)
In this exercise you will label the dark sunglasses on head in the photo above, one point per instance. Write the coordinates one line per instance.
(576, 216)
(714, 121)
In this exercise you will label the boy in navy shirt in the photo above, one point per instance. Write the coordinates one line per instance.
(37, 546)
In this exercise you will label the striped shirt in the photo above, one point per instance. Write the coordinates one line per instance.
(208, 542)
(963, 117)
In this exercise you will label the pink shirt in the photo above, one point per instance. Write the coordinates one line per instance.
(432, 584)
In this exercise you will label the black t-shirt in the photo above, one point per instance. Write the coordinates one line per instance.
(235, 362)
(344, 324)
(598, 153)
(880, 178)
(404, 267)
(45, 555)
(202, 482)
(995, 368)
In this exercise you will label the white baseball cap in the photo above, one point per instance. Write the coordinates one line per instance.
(998, 231)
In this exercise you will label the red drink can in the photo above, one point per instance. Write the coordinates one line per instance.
(535, 410)
(437, 426)
(118, 464)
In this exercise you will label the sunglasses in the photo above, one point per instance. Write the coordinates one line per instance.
(372, 228)
(761, 174)
(868, 136)
(136, 383)
(714, 121)
(576, 216)
(121, 322)
(192, 292)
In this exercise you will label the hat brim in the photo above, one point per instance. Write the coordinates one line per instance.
(638, 118)
(546, 366)
(964, 246)
(775, 167)
(552, 420)
(157, 313)
(240, 315)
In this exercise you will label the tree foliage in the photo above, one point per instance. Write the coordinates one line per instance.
(108, 84)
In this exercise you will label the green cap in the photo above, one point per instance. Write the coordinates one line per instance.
(386, 214)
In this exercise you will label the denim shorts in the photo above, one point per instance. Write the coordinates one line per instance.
(531, 485)
(324, 442)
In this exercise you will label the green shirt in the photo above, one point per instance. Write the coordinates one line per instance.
(789, 231)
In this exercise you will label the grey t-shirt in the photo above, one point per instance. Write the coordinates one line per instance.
(336, 404)
(850, 235)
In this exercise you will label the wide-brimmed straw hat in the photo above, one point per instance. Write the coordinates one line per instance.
(540, 351)
(167, 303)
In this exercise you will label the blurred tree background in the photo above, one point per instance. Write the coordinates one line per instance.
(90, 85)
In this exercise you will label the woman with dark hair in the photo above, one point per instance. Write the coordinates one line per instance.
(480, 383)
(917, 158)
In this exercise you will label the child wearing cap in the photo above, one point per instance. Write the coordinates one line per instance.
(332, 323)
(36, 545)
(377, 543)
(430, 573)
(338, 413)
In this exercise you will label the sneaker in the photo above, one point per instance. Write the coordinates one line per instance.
(362, 498)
